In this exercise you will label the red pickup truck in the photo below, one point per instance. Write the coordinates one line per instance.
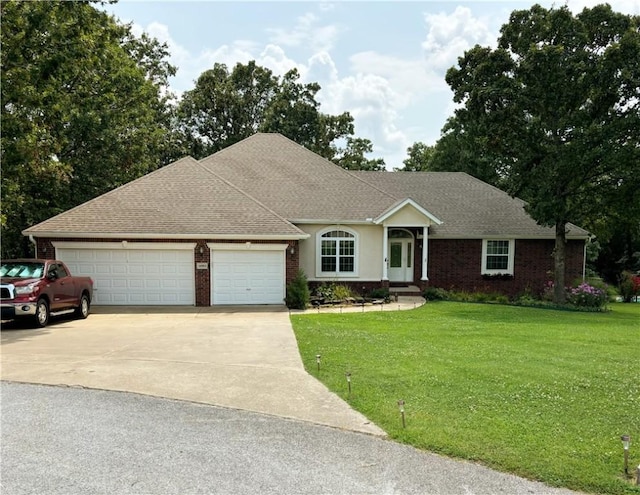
(38, 289)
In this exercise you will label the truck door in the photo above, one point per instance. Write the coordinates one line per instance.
(67, 286)
(59, 286)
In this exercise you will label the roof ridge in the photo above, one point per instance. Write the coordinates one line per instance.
(259, 203)
(113, 191)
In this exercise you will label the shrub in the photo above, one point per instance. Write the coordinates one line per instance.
(325, 291)
(629, 286)
(334, 292)
(527, 299)
(502, 299)
(298, 296)
(342, 292)
(435, 294)
(461, 296)
(587, 296)
(379, 293)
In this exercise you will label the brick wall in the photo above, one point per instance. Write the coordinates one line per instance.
(453, 264)
(456, 264)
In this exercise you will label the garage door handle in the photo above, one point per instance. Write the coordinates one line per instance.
(248, 288)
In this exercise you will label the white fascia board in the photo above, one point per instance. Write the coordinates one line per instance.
(402, 204)
(186, 246)
(130, 235)
(236, 246)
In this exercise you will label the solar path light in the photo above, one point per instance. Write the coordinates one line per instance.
(401, 407)
(626, 442)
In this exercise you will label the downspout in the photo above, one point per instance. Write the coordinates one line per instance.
(584, 259)
(35, 244)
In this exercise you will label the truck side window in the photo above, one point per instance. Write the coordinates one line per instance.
(61, 271)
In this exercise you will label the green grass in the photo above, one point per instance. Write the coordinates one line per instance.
(540, 393)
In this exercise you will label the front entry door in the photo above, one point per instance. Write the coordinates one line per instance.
(400, 260)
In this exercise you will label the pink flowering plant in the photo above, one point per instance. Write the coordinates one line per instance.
(587, 296)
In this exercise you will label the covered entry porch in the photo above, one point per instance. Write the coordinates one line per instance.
(405, 247)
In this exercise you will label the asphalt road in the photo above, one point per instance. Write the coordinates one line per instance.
(60, 440)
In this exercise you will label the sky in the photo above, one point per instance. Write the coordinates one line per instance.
(382, 61)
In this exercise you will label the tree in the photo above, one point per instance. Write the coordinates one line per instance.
(353, 156)
(224, 107)
(83, 110)
(558, 102)
(419, 158)
(228, 106)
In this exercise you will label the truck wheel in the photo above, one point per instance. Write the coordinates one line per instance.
(82, 311)
(42, 313)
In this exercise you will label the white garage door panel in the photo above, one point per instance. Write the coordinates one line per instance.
(131, 277)
(248, 277)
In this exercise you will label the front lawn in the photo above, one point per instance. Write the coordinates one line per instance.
(540, 393)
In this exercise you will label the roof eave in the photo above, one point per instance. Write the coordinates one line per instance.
(138, 235)
(506, 236)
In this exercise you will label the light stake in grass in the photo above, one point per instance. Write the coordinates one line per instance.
(348, 375)
(626, 442)
(401, 407)
(318, 361)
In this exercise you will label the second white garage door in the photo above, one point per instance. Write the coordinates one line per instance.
(134, 276)
(247, 277)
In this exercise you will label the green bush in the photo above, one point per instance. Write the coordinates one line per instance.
(334, 292)
(380, 293)
(298, 295)
(629, 286)
(435, 294)
(342, 292)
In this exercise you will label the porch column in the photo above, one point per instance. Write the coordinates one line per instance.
(425, 252)
(385, 250)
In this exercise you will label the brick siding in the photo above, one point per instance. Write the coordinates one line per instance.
(453, 264)
(456, 264)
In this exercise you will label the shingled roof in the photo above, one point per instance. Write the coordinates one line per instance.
(264, 185)
(181, 200)
(467, 206)
(297, 183)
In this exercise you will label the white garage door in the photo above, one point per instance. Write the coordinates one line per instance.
(247, 277)
(133, 276)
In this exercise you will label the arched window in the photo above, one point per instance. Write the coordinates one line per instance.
(337, 250)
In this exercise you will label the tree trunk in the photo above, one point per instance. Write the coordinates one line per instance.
(559, 294)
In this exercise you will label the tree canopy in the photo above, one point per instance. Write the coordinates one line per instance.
(83, 110)
(227, 106)
(556, 108)
(86, 107)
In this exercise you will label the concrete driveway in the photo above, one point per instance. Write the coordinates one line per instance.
(238, 357)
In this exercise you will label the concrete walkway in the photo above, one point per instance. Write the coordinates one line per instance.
(238, 357)
(402, 304)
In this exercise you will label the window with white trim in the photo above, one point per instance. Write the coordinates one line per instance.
(497, 256)
(337, 253)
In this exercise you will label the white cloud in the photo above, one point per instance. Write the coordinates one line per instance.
(450, 35)
(321, 68)
(306, 32)
(408, 78)
(373, 103)
(275, 58)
